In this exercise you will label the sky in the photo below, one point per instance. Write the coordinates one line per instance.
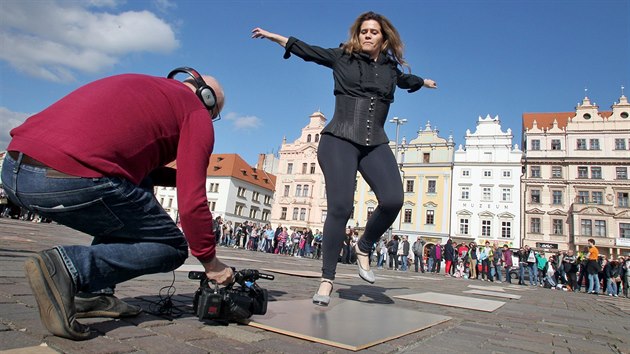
(489, 57)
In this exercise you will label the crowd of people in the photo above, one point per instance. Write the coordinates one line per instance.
(584, 271)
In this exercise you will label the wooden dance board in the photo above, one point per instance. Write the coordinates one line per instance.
(490, 288)
(301, 273)
(454, 301)
(351, 325)
(493, 293)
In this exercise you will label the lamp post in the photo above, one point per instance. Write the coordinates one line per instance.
(398, 123)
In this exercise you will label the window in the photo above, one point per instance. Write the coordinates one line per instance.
(431, 186)
(506, 194)
(622, 199)
(535, 144)
(580, 144)
(487, 194)
(582, 172)
(407, 215)
(283, 213)
(465, 173)
(596, 172)
(556, 172)
(600, 228)
(170, 203)
(241, 191)
(624, 230)
(426, 158)
(620, 144)
(295, 213)
(465, 193)
(506, 229)
(265, 215)
(238, 209)
(507, 173)
(304, 167)
(557, 226)
(303, 214)
(594, 144)
(556, 197)
(487, 173)
(535, 196)
(252, 213)
(305, 191)
(597, 197)
(486, 228)
(316, 137)
(324, 212)
(308, 138)
(463, 226)
(534, 225)
(582, 197)
(298, 190)
(213, 188)
(622, 172)
(290, 168)
(312, 168)
(409, 186)
(255, 196)
(267, 200)
(586, 228)
(370, 211)
(555, 144)
(430, 217)
(287, 189)
(534, 172)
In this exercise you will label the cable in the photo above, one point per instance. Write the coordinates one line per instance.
(165, 306)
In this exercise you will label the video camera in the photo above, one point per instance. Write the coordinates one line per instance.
(230, 303)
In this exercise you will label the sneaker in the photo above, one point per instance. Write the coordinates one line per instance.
(54, 292)
(102, 305)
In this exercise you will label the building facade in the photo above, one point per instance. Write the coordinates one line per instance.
(425, 164)
(300, 197)
(235, 191)
(485, 197)
(575, 185)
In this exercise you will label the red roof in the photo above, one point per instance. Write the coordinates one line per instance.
(232, 165)
(545, 120)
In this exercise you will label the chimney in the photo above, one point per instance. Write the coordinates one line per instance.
(261, 162)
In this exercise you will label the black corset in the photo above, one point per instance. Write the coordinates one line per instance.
(360, 120)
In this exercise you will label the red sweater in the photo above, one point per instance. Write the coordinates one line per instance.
(126, 126)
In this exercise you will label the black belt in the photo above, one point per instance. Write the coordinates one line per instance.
(27, 160)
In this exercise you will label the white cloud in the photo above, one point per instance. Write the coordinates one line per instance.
(53, 40)
(243, 122)
(8, 121)
(164, 6)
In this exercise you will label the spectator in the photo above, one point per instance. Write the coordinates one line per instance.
(449, 255)
(612, 271)
(506, 260)
(418, 254)
(570, 265)
(392, 248)
(473, 258)
(592, 267)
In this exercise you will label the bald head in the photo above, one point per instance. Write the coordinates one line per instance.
(218, 90)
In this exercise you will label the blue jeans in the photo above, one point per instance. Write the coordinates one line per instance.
(611, 286)
(521, 273)
(404, 261)
(532, 271)
(593, 283)
(133, 235)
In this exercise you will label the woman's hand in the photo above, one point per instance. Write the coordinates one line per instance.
(261, 33)
(428, 83)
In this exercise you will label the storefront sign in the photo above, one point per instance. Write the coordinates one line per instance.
(621, 241)
(547, 246)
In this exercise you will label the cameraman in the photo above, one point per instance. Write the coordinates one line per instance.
(89, 161)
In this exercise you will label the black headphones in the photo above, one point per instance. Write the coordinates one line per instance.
(205, 93)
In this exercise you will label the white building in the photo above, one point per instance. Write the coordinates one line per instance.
(485, 197)
(235, 190)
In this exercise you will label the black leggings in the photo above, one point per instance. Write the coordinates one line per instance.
(340, 160)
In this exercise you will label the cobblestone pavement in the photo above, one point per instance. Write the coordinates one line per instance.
(542, 321)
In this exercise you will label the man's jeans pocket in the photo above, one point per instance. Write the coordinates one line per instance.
(93, 217)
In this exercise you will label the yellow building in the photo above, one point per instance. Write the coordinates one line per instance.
(426, 164)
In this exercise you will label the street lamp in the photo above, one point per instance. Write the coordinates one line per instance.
(398, 123)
